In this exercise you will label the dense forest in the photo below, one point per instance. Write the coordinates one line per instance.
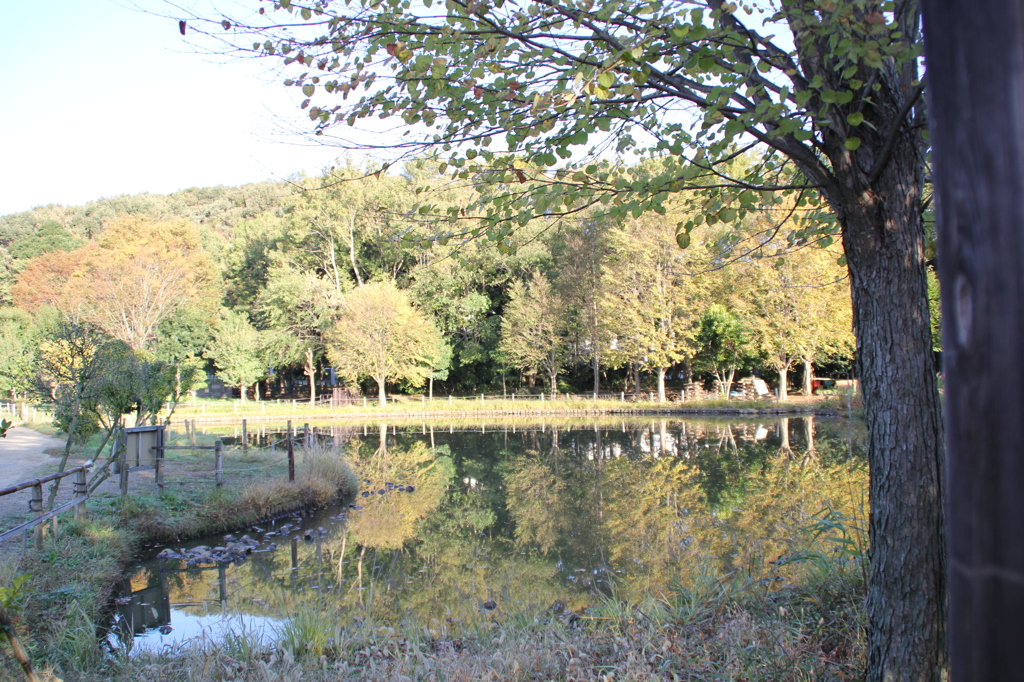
(355, 278)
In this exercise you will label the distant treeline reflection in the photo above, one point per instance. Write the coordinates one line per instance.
(545, 515)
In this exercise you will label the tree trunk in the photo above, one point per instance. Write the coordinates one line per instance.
(661, 384)
(554, 384)
(808, 388)
(72, 428)
(884, 242)
(596, 362)
(809, 433)
(729, 378)
(311, 373)
(352, 251)
(382, 396)
(636, 380)
(784, 384)
(242, 391)
(784, 435)
(431, 389)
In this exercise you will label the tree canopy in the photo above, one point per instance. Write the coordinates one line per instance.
(545, 102)
(379, 334)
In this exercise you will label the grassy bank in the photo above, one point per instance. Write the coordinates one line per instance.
(71, 579)
(718, 629)
(208, 410)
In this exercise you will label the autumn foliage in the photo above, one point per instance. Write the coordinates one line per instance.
(136, 275)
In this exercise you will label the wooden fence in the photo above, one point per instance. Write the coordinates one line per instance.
(35, 505)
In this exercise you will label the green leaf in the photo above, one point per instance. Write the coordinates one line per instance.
(606, 79)
(308, 90)
(855, 119)
(683, 239)
(853, 144)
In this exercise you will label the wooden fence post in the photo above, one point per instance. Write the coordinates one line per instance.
(291, 454)
(158, 461)
(306, 443)
(36, 506)
(193, 431)
(245, 437)
(218, 463)
(81, 488)
(124, 465)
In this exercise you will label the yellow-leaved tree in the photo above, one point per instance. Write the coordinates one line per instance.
(379, 334)
(651, 300)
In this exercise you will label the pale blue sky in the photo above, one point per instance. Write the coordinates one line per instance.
(99, 99)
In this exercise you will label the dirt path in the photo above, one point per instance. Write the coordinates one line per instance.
(22, 455)
(22, 458)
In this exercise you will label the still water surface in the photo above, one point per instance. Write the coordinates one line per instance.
(509, 519)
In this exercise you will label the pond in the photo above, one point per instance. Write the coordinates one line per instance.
(458, 523)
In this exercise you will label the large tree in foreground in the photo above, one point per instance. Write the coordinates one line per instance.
(827, 90)
(380, 335)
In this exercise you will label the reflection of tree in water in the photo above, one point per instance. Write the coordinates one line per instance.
(535, 499)
(388, 521)
(526, 519)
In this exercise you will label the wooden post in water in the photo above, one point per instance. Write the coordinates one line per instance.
(245, 437)
(291, 453)
(306, 443)
(218, 463)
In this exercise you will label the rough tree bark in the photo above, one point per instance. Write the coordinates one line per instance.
(884, 240)
(975, 54)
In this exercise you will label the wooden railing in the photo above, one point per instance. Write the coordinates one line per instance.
(35, 505)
